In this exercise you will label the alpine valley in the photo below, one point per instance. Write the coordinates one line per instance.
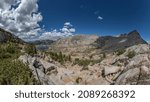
(75, 60)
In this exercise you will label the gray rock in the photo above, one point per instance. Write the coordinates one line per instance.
(129, 77)
(38, 69)
(111, 70)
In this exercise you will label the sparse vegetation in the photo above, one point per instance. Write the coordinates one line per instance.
(9, 50)
(131, 54)
(85, 68)
(104, 55)
(86, 62)
(83, 62)
(120, 51)
(15, 73)
(30, 49)
(60, 57)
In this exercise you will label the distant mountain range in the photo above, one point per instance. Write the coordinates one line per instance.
(42, 42)
(105, 43)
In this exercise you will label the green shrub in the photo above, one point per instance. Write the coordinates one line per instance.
(120, 52)
(69, 58)
(9, 50)
(131, 54)
(30, 49)
(60, 57)
(86, 62)
(78, 80)
(15, 73)
(104, 55)
(5, 55)
(12, 48)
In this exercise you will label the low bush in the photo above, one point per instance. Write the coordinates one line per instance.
(86, 62)
(120, 52)
(131, 54)
(78, 80)
(30, 49)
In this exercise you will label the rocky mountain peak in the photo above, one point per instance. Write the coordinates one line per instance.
(134, 32)
(111, 43)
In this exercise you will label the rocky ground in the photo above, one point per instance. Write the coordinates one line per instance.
(132, 66)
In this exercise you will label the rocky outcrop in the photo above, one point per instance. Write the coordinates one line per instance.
(132, 71)
(40, 69)
(114, 43)
(137, 71)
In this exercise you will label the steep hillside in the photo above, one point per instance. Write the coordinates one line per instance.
(13, 71)
(111, 43)
(6, 36)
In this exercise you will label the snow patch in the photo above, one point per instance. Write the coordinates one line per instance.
(122, 41)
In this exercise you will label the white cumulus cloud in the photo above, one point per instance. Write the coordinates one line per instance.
(20, 17)
(67, 30)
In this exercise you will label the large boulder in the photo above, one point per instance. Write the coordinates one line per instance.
(129, 77)
(137, 71)
(39, 69)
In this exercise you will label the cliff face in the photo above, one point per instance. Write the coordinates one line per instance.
(7, 36)
(111, 43)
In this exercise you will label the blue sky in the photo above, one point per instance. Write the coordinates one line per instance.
(49, 19)
(118, 16)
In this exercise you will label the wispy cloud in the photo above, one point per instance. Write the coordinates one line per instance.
(100, 18)
(96, 12)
